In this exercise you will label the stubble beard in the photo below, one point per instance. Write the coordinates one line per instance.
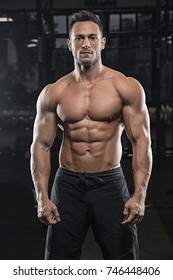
(87, 64)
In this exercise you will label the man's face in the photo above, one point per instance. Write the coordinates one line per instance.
(86, 42)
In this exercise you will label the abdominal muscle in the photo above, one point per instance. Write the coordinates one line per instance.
(92, 148)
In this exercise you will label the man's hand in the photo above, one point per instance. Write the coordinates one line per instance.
(48, 212)
(133, 211)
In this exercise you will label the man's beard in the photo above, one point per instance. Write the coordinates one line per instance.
(87, 63)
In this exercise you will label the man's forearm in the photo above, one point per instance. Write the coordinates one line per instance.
(142, 167)
(40, 170)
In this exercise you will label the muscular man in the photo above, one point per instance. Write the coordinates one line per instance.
(92, 105)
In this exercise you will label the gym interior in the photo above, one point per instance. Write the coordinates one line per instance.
(33, 53)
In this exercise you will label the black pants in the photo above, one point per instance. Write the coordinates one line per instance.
(95, 199)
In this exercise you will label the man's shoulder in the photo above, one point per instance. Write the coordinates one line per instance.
(115, 75)
(51, 94)
(60, 84)
(120, 78)
(57, 88)
(127, 87)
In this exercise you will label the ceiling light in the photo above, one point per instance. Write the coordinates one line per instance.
(6, 19)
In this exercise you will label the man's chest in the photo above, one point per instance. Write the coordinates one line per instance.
(99, 103)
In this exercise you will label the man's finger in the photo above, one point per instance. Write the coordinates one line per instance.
(47, 218)
(56, 214)
(131, 217)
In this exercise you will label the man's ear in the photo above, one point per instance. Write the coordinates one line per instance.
(103, 42)
(69, 44)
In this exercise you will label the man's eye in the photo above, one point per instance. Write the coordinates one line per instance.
(93, 38)
(78, 38)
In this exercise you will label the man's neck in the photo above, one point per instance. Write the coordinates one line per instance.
(88, 73)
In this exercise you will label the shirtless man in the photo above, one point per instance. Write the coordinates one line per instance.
(93, 105)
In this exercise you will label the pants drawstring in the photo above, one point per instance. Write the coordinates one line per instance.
(91, 179)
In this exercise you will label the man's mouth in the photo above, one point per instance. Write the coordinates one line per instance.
(86, 52)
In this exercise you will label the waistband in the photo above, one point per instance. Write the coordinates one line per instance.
(117, 172)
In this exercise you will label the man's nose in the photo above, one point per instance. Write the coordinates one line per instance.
(86, 43)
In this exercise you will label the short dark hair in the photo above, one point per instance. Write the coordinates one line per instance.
(85, 16)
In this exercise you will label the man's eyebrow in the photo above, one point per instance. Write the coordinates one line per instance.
(90, 34)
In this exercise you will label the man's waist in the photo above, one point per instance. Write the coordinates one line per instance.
(116, 171)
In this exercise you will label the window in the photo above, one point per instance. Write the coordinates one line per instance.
(18, 59)
(60, 24)
(128, 22)
(114, 23)
(60, 43)
(144, 22)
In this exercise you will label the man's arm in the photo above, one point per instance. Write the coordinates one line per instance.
(45, 127)
(137, 126)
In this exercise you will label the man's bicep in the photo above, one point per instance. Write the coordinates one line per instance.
(136, 122)
(45, 127)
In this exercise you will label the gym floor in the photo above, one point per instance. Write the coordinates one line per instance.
(22, 236)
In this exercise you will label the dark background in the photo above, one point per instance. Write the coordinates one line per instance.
(33, 53)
